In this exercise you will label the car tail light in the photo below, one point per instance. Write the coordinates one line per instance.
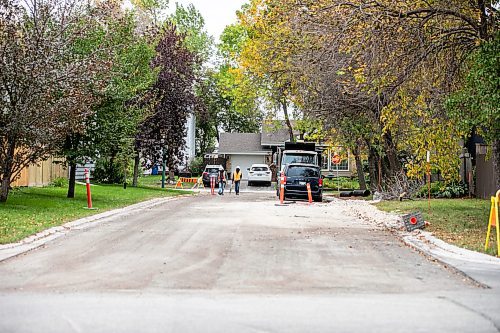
(321, 182)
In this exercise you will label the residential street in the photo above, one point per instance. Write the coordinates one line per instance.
(238, 264)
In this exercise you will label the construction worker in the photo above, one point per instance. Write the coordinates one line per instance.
(237, 174)
(222, 178)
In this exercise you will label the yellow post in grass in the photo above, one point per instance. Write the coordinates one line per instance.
(493, 222)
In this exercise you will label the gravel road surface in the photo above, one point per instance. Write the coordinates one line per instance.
(238, 264)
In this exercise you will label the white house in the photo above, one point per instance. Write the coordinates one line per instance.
(243, 149)
(190, 150)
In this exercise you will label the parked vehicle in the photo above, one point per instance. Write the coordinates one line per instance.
(259, 173)
(296, 178)
(210, 171)
(296, 152)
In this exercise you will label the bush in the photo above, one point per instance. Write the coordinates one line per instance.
(345, 183)
(59, 182)
(108, 173)
(442, 190)
(196, 165)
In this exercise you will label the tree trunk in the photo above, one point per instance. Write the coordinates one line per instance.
(111, 174)
(7, 171)
(5, 187)
(171, 175)
(136, 169)
(171, 168)
(125, 175)
(392, 156)
(287, 120)
(372, 167)
(72, 179)
(359, 168)
(483, 20)
(496, 161)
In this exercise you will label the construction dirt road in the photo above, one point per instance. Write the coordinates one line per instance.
(238, 264)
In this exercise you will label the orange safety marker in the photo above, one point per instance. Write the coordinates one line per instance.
(309, 195)
(87, 183)
(282, 188)
(493, 220)
(212, 185)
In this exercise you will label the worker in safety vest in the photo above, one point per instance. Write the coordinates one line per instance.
(237, 174)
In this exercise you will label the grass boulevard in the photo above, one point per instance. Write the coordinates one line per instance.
(462, 222)
(31, 210)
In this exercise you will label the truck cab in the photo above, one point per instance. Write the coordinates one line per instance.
(296, 152)
(298, 156)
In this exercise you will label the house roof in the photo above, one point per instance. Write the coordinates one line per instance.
(275, 133)
(241, 143)
(277, 137)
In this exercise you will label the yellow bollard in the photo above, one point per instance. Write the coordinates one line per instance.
(493, 222)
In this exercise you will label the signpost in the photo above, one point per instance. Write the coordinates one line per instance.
(336, 160)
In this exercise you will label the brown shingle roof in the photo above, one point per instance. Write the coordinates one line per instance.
(240, 143)
(276, 133)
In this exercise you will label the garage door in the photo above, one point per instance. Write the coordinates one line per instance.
(246, 161)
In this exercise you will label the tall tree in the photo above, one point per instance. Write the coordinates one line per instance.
(110, 130)
(391, 62)
(162, 135)
(477, 104)
(45, 85)
(189, 22)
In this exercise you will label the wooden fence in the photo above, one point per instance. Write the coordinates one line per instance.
(42, 173)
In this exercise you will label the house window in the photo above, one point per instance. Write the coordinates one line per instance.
(344, 163)
(343, 166)
(325, 158)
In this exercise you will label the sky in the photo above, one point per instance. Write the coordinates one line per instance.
(217, 13)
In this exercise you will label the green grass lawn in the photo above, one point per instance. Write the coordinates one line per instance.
(462, 222)
(30, 210)
(150, 180)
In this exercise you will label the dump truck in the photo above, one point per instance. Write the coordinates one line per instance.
(296, 152)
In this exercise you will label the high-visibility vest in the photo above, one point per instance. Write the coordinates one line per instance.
(237, 176)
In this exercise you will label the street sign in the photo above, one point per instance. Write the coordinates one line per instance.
(336, 159)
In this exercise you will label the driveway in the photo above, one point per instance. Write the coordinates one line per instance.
(238, 264)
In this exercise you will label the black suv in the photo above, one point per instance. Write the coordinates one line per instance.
(296, 178)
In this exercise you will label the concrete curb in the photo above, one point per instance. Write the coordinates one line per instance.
(39, 239)
(482, 268)
(479, 267)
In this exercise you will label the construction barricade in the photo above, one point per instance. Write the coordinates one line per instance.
(493, 222)
(198, 182)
